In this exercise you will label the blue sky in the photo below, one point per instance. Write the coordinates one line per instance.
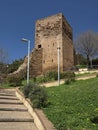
(18, 17)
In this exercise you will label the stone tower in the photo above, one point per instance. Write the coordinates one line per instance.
(52, 32)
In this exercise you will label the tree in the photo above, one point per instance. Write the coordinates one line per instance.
(14, 65)
(3, 62)
(80, 60)
(3, 56)
(87, 45)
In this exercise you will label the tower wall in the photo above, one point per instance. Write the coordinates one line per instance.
(52, 32)
(67, 44)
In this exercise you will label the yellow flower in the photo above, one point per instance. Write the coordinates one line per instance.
(96, 109)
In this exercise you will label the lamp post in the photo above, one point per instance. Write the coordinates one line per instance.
(28, 63)
(58, 65)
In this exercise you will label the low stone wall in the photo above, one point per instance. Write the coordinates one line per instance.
(40, 119)
(82, 71)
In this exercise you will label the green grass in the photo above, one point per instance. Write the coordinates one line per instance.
(5, 85)
(72, 106)
(85, 74)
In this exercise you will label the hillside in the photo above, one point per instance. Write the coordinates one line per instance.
(73, 106)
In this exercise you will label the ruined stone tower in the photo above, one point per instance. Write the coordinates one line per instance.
(50, 33)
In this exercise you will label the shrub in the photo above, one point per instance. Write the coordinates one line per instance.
(69, 77)
(81, 66)
(67, 81)
(41, 79)
(14, 80)
(34, 79)
(26, 90)
(38, 97)
(97, 75)
(49, 76)
(52, 75)
(36, 94)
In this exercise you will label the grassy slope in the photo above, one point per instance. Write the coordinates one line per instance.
(73, 105)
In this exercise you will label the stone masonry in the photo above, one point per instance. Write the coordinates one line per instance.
(50, 33)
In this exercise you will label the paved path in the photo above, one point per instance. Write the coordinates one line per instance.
(13, 114)
(55, 83)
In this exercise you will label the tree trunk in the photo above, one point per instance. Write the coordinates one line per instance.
(88, 62)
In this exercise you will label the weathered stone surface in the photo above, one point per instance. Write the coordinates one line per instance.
(36, 62)
(50, 33)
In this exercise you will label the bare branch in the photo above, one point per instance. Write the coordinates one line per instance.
(87, 44)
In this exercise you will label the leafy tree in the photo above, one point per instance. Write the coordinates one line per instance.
(14, 66)
(87, 45)
(3, 68)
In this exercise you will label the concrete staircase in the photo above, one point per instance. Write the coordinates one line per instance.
(13, 114)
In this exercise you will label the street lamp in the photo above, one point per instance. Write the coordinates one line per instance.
(58, 48)
(28, 63)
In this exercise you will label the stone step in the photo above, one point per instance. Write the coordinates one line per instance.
(16, 120)
(10, 102)
(12, 106)
(17, 126)
(8, 98)
(4, 94)
(13, 109)
(15, 115)
(7, 91)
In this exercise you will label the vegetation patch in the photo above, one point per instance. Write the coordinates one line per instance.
(36, 94)
(73, 106)
(52, 76)
(94, 116)
(14, 80)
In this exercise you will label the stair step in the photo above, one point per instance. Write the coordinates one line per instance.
(16, 120)
(4, 94)
(9, 98)
(15, 115)
(16, 103)
(13, 109)
(17, 126)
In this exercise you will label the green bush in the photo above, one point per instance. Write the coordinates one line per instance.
(96, 75)
(38, 97)
(49, 76)
(81, 66)
(52, 75)
(69, 77)
(36, 94)
(26, 90)
(67, 81)
(14, 80)
(42, 79)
